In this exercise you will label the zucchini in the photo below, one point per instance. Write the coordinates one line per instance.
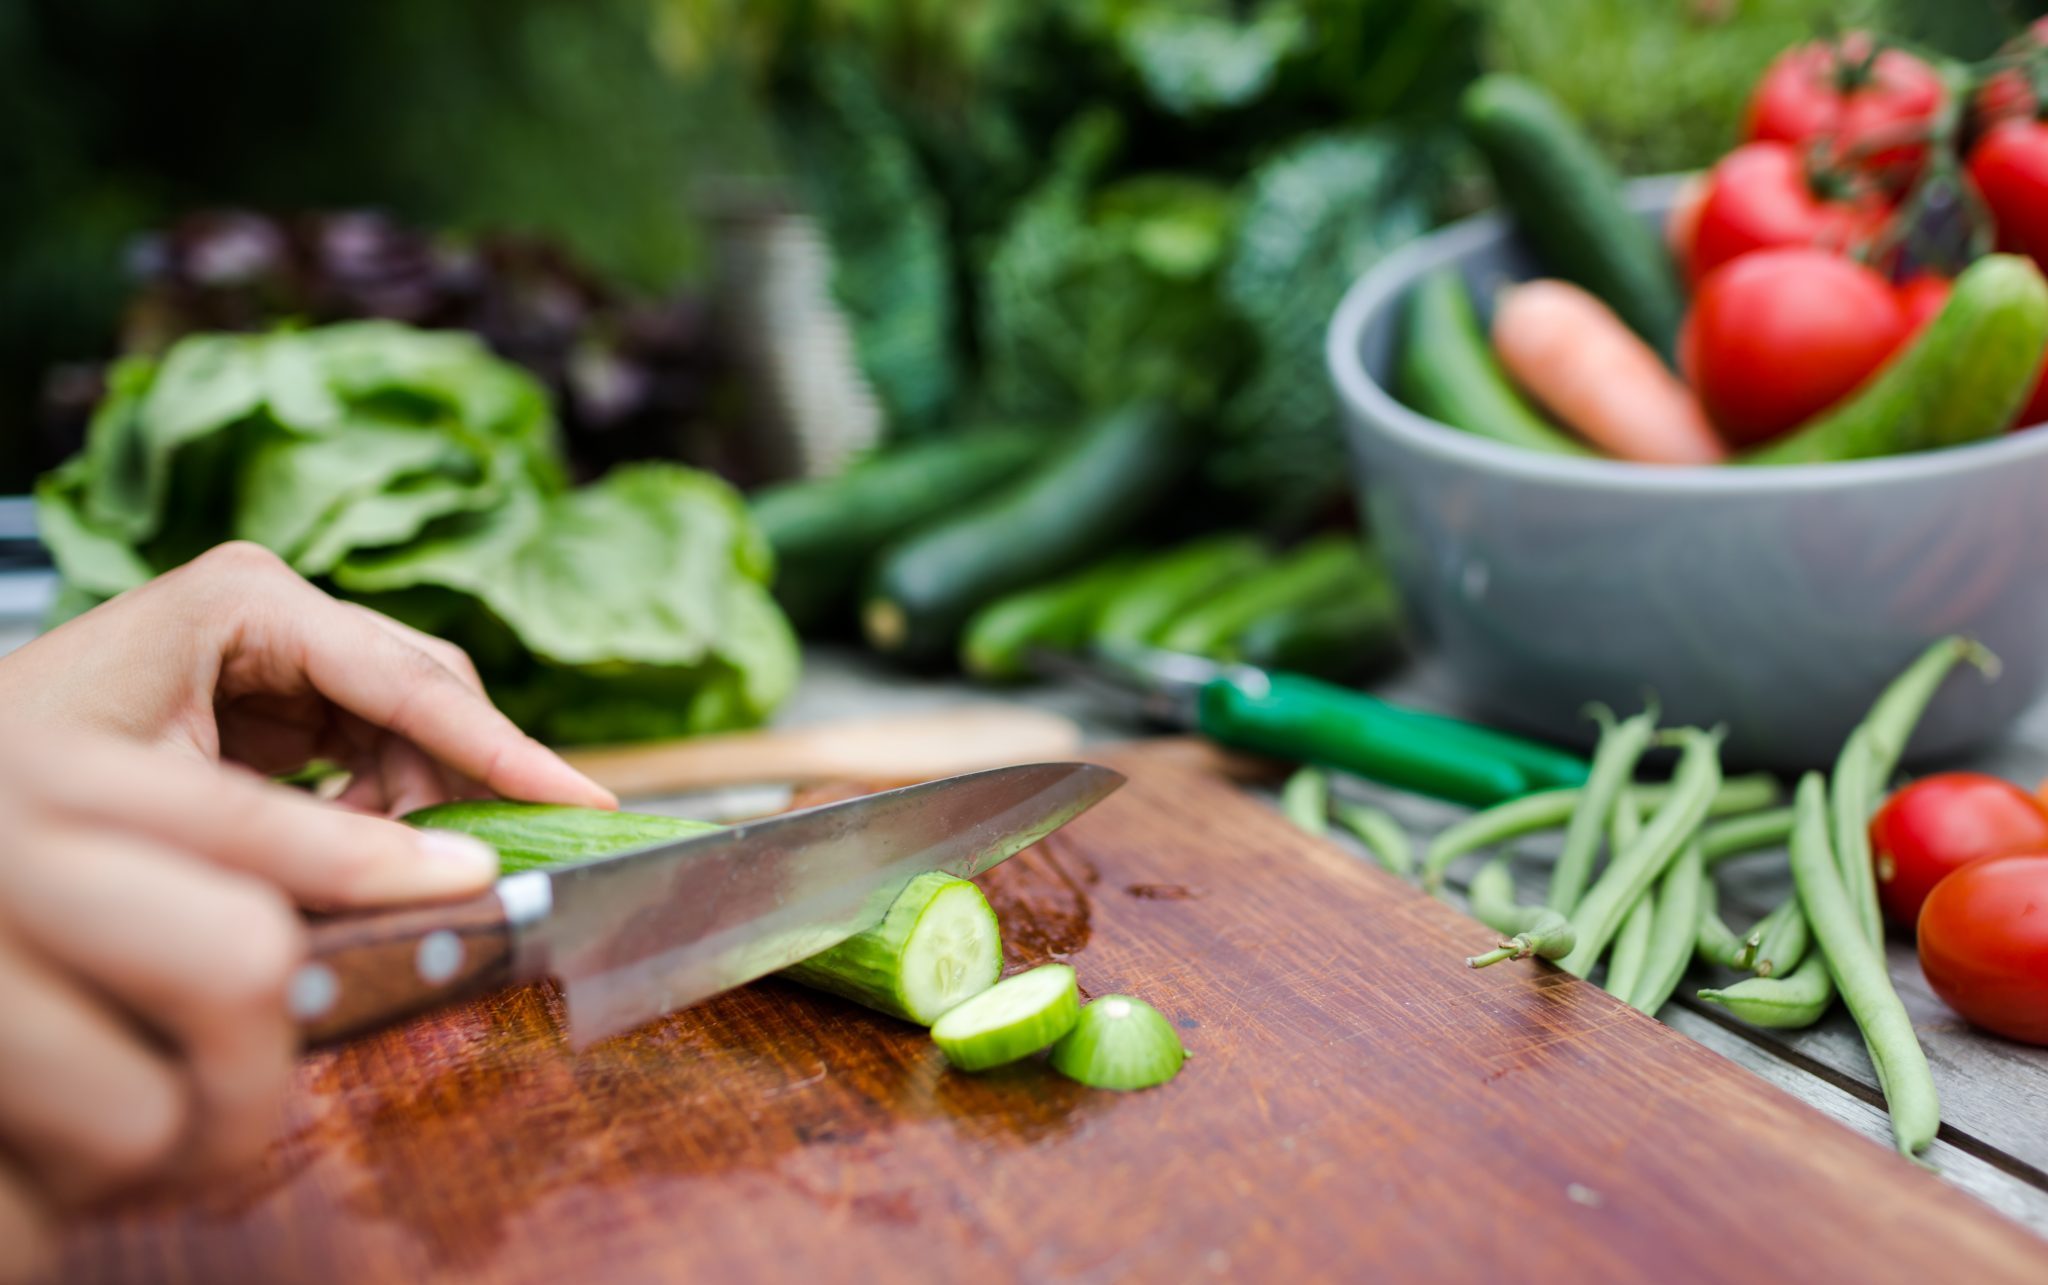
(1068, 510)
(1567, 201)
(1060, 615)
(938, 944)
(1340, 638)
(1173, 582)
(1449, 373)
(825, 531)
(1012, 1019)
(1120, 1042)
(1325, 569)
(1961, 380)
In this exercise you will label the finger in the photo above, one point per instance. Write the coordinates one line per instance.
(322, 855)
(386, 680)
(85, 1107)
(399, 779)
(200, 955)
(27, 1240)
(452, 657)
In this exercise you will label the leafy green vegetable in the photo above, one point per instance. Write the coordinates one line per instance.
(416, 471)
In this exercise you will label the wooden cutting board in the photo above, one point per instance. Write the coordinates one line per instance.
(1358, 1102)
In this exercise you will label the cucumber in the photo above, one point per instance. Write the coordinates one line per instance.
(1340, 638)
(939, 945)
(1012, 1019)
(1173, 582)
(1069, 509)
(1961, 380)
(1325, 569)
(825, 531)
(1567, 201)
(1061, 614)
(1120, 1042)
(1449, 373)
(538, 835)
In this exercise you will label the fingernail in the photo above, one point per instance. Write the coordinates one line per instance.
(459, 852)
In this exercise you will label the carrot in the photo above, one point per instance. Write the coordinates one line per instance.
(1571, 353)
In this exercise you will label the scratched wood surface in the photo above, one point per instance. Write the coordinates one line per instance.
(1358, 1101)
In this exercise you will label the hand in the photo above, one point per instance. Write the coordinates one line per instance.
(146, 940)
(234, 656)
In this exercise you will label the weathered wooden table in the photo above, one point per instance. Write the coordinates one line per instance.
(1994, 1141)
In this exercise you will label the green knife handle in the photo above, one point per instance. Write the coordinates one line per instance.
(1547, 767)
(1299, 718)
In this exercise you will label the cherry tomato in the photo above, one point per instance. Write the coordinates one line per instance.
(1939, 824)
(1871, 111)
(1761, 196)
(2008, 93)
(1984, 944)
(1923, 297)
(1778, 336)
(2009, 165)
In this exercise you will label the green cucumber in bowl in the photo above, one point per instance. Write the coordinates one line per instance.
(1567, 201)
(1072, 508)
(1119, 1042)
(1449, 373)
(825, 531)
(1013, 1019)
(938, 945)
(1962, 380)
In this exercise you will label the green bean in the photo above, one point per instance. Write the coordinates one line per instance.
(1631, 948)
(1716, 942)
(1745, 834)
(1536, 930)
(1381, 834)
(1491, 896)
(1898, 709)
(1614, 768)
(1783, 944)
(1305, 800)
(1674, 931)
(1549, 809)
(1852, 797)
(1858, 967)
(1629, 875)
(1792, 1002)
(1753, 940)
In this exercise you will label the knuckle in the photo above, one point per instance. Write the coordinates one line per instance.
(141, 1134)
(261, 942)
(238, 557)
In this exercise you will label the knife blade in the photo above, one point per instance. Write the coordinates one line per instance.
(644, 933)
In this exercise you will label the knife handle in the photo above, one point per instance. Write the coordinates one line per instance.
(366, 971)
(1298, 718)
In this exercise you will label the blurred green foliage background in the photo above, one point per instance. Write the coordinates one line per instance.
(593, 120)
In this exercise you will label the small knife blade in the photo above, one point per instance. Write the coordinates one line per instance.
(644, 933)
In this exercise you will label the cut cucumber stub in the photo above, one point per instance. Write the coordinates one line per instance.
(938, 945)
(1120, 1043)
(1014, 1018)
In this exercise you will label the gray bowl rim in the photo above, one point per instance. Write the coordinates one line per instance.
(1383, 285)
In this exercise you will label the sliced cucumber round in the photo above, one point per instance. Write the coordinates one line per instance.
(1119, 1043)
(1014, 1018)
(939, 945)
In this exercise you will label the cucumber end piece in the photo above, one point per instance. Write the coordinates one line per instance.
(1012, 1019)
(1122, 1043)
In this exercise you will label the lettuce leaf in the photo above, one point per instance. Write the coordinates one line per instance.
(415, 471)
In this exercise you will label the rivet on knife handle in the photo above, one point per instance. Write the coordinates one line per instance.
(368, 970)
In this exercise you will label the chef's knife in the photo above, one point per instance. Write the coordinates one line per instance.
(638, 935)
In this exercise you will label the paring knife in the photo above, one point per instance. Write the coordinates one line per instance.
(1292, 717)
(638, 935)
